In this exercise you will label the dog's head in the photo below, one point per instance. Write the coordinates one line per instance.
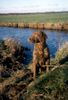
(38, 37)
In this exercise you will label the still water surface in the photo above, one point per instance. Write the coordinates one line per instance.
(55, 38)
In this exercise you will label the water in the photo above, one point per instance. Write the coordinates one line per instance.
(55, 38)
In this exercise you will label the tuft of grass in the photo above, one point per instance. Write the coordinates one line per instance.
(61, 55)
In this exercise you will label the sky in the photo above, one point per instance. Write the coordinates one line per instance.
(26, 6)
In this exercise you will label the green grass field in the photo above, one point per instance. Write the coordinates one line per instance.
(42, 18)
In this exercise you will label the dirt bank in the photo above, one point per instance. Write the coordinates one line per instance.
(52, 26)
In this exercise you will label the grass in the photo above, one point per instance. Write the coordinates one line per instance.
(48, 86)
(53, 85)
(61, 54)
(42, 18)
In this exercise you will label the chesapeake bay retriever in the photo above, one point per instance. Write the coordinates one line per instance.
(41, 54)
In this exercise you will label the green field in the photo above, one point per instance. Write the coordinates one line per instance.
(42, 17)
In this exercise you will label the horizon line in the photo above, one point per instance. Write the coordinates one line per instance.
(33, 12)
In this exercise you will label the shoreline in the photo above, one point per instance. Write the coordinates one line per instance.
(50, 26)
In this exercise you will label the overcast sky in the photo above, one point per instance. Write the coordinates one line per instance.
(8, 6)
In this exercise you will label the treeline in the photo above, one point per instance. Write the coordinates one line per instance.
(32, 13)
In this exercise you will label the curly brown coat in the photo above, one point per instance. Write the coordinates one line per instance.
(41, 54)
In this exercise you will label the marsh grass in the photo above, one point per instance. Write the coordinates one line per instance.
(37, 18)
(51, 85)
(61, 55)
(54, 84)
(48, 86)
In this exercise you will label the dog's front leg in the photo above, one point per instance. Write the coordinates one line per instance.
(47, 65)
(34, 70)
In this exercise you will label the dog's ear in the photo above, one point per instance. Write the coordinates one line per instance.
(43, 34)
(43, 37)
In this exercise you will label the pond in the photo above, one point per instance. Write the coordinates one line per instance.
(55, 38)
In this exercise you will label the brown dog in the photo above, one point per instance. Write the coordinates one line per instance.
(41, 55)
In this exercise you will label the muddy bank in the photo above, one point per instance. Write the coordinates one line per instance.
(52, 26)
